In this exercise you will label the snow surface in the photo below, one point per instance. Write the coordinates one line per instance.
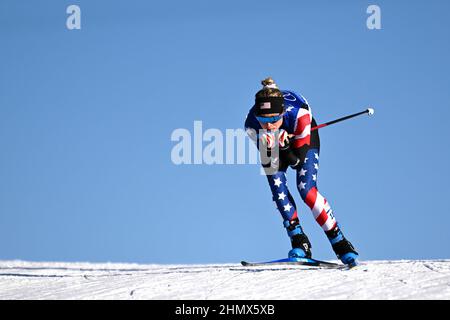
(401, 279)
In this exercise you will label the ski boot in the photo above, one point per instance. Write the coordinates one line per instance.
(301, 247)
(343, 249)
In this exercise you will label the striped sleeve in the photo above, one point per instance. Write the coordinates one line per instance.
(302, 127)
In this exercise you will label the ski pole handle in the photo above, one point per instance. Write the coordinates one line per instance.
(369, 111)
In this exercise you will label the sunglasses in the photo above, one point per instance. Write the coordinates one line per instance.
(269, 119)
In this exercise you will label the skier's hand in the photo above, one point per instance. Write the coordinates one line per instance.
(271, 139)
(283, 139)
(270, 160)
(287, 155)
(268, 140)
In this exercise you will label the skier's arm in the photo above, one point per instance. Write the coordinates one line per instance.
(302, 129)
(301, 139)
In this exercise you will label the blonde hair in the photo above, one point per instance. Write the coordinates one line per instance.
(270, 89)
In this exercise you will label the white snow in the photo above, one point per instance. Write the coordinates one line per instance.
(403, 279)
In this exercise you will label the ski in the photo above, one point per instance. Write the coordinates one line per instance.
(298, 261)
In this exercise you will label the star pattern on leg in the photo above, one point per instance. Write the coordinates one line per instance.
(277, 182)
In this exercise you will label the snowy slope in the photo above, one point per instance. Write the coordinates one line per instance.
(372, 280)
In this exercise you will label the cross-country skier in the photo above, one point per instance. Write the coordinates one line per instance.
(280, 124)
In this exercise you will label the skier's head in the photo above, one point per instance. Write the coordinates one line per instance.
(269, 105)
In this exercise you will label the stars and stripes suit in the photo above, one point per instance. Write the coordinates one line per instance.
(298, 121)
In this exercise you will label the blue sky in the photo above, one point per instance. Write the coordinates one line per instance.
(86, 118)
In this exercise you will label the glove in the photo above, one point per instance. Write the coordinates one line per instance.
(269, 161)
(268, 140)
(283, 139)
(287, 155)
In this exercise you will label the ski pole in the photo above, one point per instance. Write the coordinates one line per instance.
(369, 111)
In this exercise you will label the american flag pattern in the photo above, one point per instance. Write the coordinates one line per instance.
(297, 120)
(281, 196)
(302, 127)
(307, 186)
